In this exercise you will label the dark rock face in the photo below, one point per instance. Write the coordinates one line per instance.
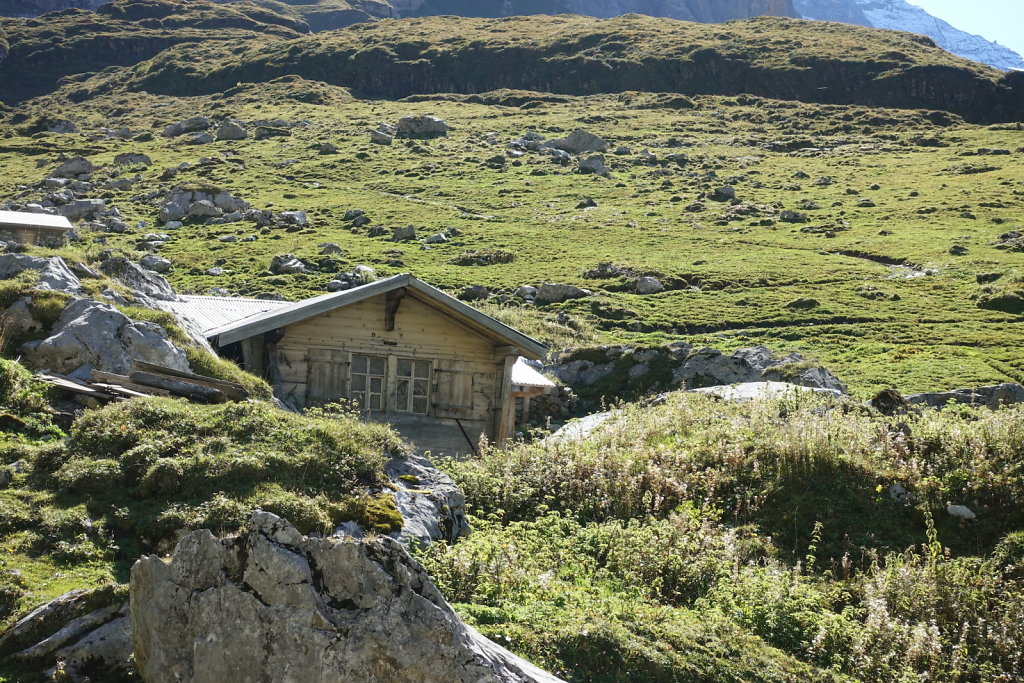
(273, 605)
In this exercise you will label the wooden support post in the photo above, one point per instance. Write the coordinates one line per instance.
(505, 423)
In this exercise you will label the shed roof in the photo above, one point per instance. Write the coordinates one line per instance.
(282, 316)
(211, 312)
(25, 219)
(525, 375)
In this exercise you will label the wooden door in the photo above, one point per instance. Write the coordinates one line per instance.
(326, 376)
(453, 395)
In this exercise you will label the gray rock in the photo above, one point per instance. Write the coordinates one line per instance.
(419, 126)
(595, 165)
(97, 334)
(790, 216)
(379, 137)
(439, 238)
(232, 130)
(526, 292)
(433, 507)
(724, 193)
(204, 208)
(338, 286)
(53, 271)
(578, 142)
(201, 138)
(73, 167)
(330, 249)
(991, 396)
(649, 285)
(18, 319)
(157, 264)
(287, 264)
(82, 208)
(192, 125)
(250, 609)
(403, 234)
(137, 278)
(132, 159)
(295, 217)
(172, 212)
(474, 293)
(551, 293)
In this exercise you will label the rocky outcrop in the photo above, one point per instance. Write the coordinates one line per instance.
(272, 605)
(990, 396)
(54, 273)
(687, 10)
(433, 508)
(608, 372)
(94, 335)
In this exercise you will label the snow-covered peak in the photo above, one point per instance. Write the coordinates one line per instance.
(901, 15)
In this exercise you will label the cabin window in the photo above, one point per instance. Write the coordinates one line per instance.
(368, 382)
(412, 385)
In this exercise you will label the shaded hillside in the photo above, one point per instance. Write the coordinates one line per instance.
(687, 10)
(773, 57)
(44, 50)
(327, 15)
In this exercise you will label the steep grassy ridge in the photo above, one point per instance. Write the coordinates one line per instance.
(772, 57)
(45, 49)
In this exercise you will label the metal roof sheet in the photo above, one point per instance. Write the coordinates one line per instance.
(307, 308)
(25, 219)
(211, 312)
(526, 375)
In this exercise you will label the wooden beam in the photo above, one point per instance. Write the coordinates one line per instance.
(230, 389)
(110, 379)
(507, 413)
(179, 387)
(392, 300)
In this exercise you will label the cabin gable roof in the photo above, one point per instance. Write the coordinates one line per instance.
(283, 316)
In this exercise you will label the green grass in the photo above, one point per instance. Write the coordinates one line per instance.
(699, 540)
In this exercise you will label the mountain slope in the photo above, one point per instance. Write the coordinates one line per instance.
(706, 11)
(772, 57)
(900, 15)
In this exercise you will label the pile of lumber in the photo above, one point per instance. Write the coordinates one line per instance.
(146, 379)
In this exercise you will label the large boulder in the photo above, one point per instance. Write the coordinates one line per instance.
(273, 605)
(78, 209)
(578, 142)
(140, 280)
(74, 167)
(96, 335)
(287, 264)
(192, 125)
(232, 130)
(53, 271)
(553, 293)
(416, 126)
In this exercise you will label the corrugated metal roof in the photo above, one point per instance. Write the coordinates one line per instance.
(526, 375)
(211, 312)
(24, 219)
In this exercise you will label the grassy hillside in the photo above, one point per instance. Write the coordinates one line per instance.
(700, 541)
(767, 56)
(903, 188)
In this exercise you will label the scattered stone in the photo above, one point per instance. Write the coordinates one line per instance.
(330, 249)
(803, 304)
(157, 264)
(439, 238)
(403, 234)
(789, 216)
(579, 142)
(552, 293)
(80, 209)
(960, 511)
(132, 159)
(649, 285)
(725, 193)
(192, 125)
(419, 126)
(958, 250)
(586, 203)
(201, 138)
(595, 165)
(379, 137)
(232, 130)
(526, 292)
(295, 217)
(74, 167)
(287, 264)
(475, 293)
(267, 132)
(204, 208)
(823, 181)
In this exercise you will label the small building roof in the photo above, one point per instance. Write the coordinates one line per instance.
(42, 221)
(283, 315)
(211, 312)
(525, 375)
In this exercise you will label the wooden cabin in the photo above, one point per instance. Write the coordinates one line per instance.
(443, 373)
(41, 229)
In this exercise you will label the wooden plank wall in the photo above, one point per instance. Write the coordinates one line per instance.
(466, 375)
